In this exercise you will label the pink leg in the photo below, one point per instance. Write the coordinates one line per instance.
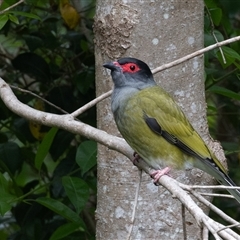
(157, 174)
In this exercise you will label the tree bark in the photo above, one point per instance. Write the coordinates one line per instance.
(156, 32)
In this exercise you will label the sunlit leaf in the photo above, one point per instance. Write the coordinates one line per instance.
(69, 14)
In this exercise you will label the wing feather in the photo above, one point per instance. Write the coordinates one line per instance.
(160, 106)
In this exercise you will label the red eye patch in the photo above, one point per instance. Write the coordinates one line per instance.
(130, 67)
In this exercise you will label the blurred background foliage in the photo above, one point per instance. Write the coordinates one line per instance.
(48, 176)
(222, 82)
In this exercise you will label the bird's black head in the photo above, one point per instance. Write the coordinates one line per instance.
(130, 71)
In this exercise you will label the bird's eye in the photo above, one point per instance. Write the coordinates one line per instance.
(132, 67)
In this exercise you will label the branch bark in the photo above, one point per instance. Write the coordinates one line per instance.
(67, 122)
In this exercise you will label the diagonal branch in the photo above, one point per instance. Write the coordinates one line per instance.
(12, 6)
(68, 123)
(163, 67)
(195, 54)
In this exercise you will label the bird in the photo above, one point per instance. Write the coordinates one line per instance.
(155, 127)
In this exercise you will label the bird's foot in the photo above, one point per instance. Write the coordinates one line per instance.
(136, 158)
(157, 174)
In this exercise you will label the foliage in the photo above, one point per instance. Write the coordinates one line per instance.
(47, 176)
(223, 86)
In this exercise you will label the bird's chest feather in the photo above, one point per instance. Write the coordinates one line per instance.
(154, 149)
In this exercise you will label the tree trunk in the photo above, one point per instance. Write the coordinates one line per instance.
(156, 32)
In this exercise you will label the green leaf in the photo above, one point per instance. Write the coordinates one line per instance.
(230, 52)
(25, 14)
(64, 231)
(62, 210)
(3, 20)
(86, 156)
(6, 197)
(77, 191)
(209, 39)
(230, 55)
(225, 92)
(44, 147)
(210, 3)
(61, 143)
(216, 15)
(13, 18)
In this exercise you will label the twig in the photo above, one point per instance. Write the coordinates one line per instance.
(181, 60)
(39, 97)
(205, 233)
(154, 71)
(90, 104)
(208, 204)
(214, 36)
(211, 228)
(135, 205)
(217, 195)
(229, 226)
(184, 222)
(68, 123)
(13, 6)
(213, 187)
(195, 54)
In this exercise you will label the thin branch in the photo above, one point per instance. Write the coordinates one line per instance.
(135, 205)
(91, 104)
(68, 123)
(154, 71)
(176, 189)
(208, 204)
(229, 226)
(217, 195)
(184, 222)
(39, 97)
(205, 233)
(213, 187)
(209, 226)
(13, 6)
(177, 62)
(195, 54)
(214, 36)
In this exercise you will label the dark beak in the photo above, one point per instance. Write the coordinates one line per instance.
(110, 65)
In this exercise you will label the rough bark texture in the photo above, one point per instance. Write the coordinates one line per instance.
(156, 32)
